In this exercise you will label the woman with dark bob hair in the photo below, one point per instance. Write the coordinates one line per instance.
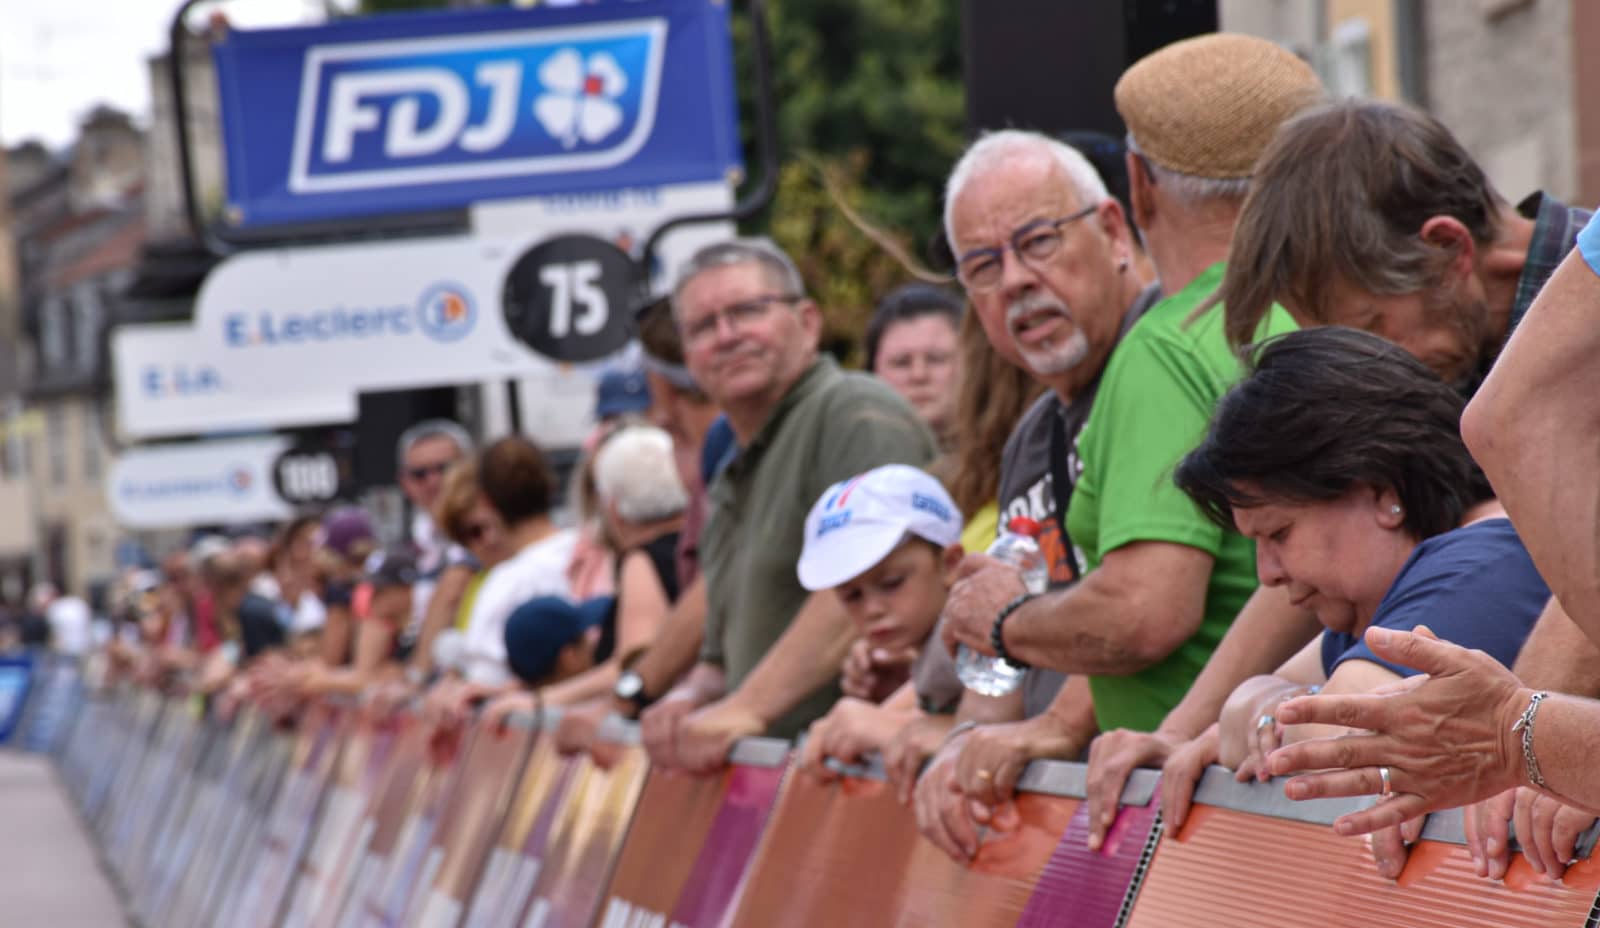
(1341, 456)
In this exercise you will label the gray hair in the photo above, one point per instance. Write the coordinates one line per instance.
(634, 469)
(763, 251)
(431, 428)
(995, 148)
(1192, 189)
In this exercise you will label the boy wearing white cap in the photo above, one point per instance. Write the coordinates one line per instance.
(887, 542)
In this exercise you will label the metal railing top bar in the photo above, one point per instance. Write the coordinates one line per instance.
(1066, 779)
(1218, 788)
(760, 752)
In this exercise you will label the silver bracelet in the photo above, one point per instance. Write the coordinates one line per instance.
(1525, 726)
(950, 735)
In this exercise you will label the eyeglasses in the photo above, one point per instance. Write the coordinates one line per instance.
(982, 269)
(422, 473)
(738, 315)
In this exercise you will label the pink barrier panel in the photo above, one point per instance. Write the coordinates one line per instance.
(344, 827)
(490, 767)
(419, 784)
(519, 853)
(289, 827)
(692, 841)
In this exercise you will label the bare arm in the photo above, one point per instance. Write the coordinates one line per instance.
(336, 636)
(984, 710)
(441, 613)
(1534, 426)
(805, 657)
(641, 606)
(374, 640)
(1143, 601)
(1267, 633)
(1559, 656)
(676, 648)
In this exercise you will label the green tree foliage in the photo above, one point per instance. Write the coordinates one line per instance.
(870, 98)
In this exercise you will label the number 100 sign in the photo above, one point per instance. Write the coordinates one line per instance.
(568, 298)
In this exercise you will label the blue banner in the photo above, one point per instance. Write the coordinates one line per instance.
(16, 677)
(405, 113)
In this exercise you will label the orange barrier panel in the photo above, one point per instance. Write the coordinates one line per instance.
(584, 840)
(343, 827)
(417, 786)
(854, 837)
(693, 839)
(1241, 868)
(289, 827)
(490, 768)
(518, 855)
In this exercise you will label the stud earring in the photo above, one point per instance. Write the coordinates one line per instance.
(1394, 510)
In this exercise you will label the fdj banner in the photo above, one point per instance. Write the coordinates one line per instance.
(411, 112)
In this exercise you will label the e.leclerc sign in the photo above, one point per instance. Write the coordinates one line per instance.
(405, 113)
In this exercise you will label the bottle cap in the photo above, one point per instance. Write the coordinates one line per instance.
(1022, 525)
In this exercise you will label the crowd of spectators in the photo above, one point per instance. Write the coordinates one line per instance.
(1232, 403)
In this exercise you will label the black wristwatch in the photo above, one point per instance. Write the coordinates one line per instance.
(630, 689)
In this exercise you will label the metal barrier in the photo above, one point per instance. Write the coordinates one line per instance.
(355, 821)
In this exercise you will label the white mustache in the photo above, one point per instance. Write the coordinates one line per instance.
(1033, 303)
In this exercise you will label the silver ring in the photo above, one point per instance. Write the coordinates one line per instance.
(1264, 721)
(1383, 774)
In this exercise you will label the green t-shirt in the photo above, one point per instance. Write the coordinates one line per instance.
(1155, 403)
(830, 426)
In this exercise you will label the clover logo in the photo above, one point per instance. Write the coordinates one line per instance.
(579, 103)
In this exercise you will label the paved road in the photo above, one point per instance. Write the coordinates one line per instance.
(49, 875)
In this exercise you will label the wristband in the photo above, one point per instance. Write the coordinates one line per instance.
(996, 636)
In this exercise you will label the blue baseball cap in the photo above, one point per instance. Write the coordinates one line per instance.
(537, 630)
(620, 393)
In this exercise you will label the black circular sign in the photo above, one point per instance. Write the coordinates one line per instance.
(568, 298)
(311, 476)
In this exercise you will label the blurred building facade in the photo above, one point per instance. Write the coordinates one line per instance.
(1504, 75)
(76, 222)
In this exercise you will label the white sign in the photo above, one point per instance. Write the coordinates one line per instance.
(168, 384)
(343, 319)
(200, 483)
(291, 336)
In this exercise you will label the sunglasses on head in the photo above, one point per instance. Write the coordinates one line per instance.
(429, 470)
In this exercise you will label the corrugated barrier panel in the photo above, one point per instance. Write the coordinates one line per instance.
(1245, 869)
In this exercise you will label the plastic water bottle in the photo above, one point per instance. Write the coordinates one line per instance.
(994, 676)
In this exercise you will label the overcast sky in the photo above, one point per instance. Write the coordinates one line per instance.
(58, 58)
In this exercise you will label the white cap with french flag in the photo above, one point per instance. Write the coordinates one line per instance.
(859, 521)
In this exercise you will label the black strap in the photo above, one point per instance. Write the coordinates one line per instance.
(1061, 482)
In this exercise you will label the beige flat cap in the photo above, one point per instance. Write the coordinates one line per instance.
(1207, 106)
